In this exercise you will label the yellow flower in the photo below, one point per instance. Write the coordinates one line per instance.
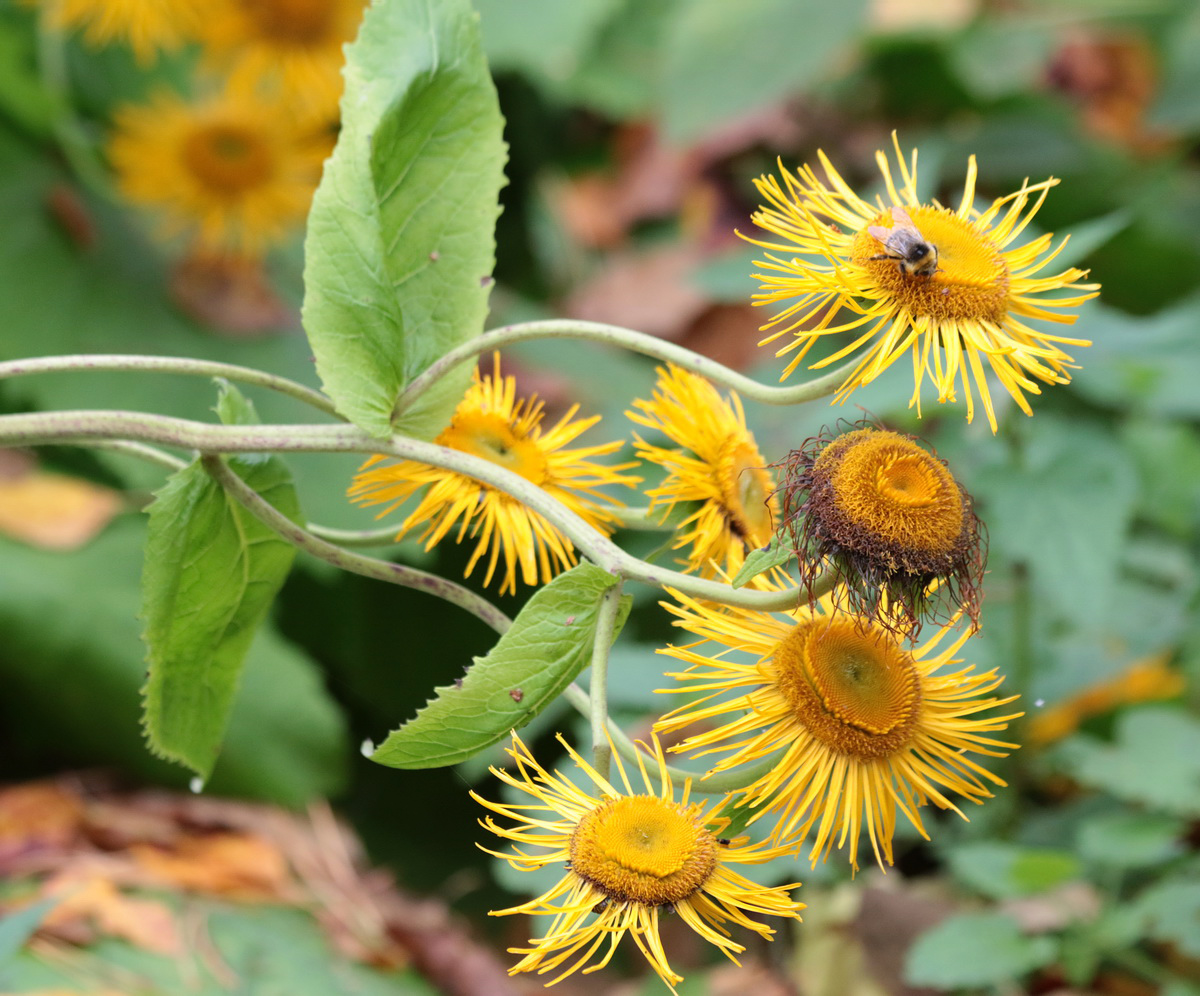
(628, 857)
(491, 423)
(286, 48)
(147, 26)
(889, 521)
(864, 726)
(1143, 681)
(973, 308)
(718, 465)
(232, 172)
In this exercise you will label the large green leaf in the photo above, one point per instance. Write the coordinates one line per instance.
(72, 663)
(1001, 870)
(212, 571)
(723, 59)
(974, 949)
(549, 643)
(400, 243)
(1154, 761)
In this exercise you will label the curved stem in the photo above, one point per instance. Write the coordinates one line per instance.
(77, 426)
(384, 536)
(172, 365)
(642, 519)
(142, 451)
(606, 624)
(382, 570)
(638, 342)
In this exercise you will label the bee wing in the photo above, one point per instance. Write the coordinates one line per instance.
(881, 233)
(902, 216)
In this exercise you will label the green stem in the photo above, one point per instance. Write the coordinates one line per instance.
(171, 365)
(381, 570)
(385, 536)
(32, 429)
(606, 625)
(638, 342)
(642, 519)
(719, 784)
(142, 452)
(1151, 970)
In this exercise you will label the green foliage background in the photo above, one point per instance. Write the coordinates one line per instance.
(1093, 506)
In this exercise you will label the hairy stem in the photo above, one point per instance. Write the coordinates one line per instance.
(171, 365)
(638, 342)
(85, 426)
(606, 624)
(381, 570)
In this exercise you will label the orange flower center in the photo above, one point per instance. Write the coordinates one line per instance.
(489, 436)
(972, 280)
(228, 159)
(293, 22)
(643, 849)
(851, 686)
(887, 486)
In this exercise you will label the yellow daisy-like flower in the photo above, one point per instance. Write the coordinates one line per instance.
(865, 727)
(491, 423)
(629, 856)
(951, 286)
(232, 171)
(146, 26)
(718, 465)
(286, 48)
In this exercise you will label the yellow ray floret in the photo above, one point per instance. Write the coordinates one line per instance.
(629, 855)
(491, 423)
(715, 462)
(861, 726)
(834, 274)
(146, 26)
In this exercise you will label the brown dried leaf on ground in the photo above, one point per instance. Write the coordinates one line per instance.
(752, 977)
(92, 905)
(728, 333)
(36, 818)
(1071, 902)
(52, 511)
(237, 865)
(889, 919)
(231, 295)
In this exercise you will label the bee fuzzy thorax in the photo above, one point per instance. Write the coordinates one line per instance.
(906, 245)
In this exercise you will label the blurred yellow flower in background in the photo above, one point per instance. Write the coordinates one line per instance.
(147, 26)
(954, 308)
(288, 49)
(717, 465)
(232, 172)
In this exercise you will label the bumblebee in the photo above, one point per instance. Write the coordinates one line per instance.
(906, 246)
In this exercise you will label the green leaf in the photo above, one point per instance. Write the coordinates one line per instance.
(71, 688)
(400, 243)
(774, 554)
(549, 643)
(16, 928)
(974, 949)
(1006, 871)
(1035, 514)
(1154, 761)
(1132, 840)
(1001, 55)
(554, 52)
(212, 571)
(724, 59)
(1171, 912)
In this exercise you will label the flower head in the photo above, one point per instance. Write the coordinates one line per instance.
(863, 726)
(891, 523)
(291, 49)
(717, 465)
(232, 172)
(147, 26)
(629, 856)
(491, 423)
(951, 286)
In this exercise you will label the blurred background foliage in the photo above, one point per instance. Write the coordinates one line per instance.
(635, 128)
